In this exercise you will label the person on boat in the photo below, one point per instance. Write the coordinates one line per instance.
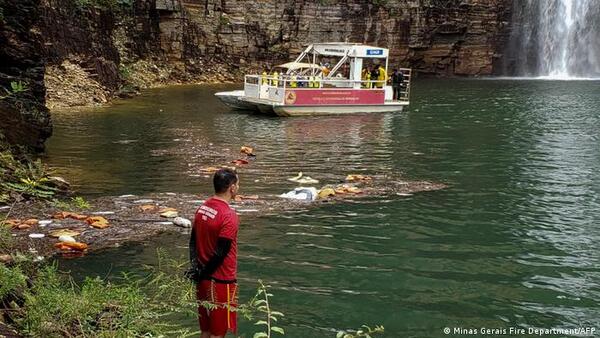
(397, 82)
(293, 80)
(363, 77)
(326, 70)
(275, 79)
(382, 77)
(367, 78)
(213, 245)
(374, 76)
(264, 77)
(317, 81)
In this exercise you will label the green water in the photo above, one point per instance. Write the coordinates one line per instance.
(513, 242)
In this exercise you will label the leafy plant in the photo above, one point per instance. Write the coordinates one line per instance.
(32, 188)
(261, 303)
(23, 178)
(80, 203)
(16, 87)
(364, 332)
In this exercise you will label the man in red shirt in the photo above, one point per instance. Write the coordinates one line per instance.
(213, 245)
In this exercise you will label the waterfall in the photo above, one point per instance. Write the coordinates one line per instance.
(555, 39)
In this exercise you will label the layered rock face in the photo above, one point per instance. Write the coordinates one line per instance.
(24, 119)
(437, 37)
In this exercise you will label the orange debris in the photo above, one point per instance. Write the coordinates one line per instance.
(247, 150)
(148, 207)
(97, 222)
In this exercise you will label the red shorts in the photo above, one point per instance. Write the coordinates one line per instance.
(219, 320)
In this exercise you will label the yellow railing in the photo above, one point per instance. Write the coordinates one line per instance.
(255, 83)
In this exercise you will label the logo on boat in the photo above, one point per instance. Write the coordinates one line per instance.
(374, 51)
(290, 97)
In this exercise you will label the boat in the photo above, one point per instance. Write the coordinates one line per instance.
(308, 86)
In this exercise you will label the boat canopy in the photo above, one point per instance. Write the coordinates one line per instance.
(348, 58)
(299, 65)
(347, 49)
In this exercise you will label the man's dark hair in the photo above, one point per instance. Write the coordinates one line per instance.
(223, 179)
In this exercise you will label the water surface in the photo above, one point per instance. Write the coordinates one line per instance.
(512, 242)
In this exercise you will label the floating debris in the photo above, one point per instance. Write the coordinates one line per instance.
(302, 193)
(169, 214)
(97, 222)
(103, 213)
(326, 192)
(358, 178)
(240, 198)
(144, 201)
(300, 178)
(44, 223)
(182, 222)
(148, 207)
(247, 150)
(239, 162)
(66, 239)
(63, 232)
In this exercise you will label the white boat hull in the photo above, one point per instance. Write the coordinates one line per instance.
(331, 110)
(232, 100)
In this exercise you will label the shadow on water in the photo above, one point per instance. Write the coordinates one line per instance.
(512, 242)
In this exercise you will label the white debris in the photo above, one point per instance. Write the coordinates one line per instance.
(182, 222)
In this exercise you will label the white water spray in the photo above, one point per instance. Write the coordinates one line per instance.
(556, 39)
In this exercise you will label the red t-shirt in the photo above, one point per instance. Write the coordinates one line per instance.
(216, 219)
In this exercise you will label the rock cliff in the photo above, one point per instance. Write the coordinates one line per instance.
(24, 119)
(82, 52)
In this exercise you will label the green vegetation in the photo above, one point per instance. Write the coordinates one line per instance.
(135, 306)
(327, 2)
(77, 202)
(124, 72)
(261, 303)
(380, 3)
(224, 20)
(12, 280)
(364, 332)
(7, 242)
(22, 177)
(104, 4)
(16, 87)
(97, 308)
(51, 304)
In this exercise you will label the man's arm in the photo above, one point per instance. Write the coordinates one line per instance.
(215, 261)
(193, 250)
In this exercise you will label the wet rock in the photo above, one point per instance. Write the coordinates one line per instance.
(182, 222)
(59, 183)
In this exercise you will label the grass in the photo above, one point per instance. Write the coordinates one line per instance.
(40, 301)
(56, 306)
(77, 202)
